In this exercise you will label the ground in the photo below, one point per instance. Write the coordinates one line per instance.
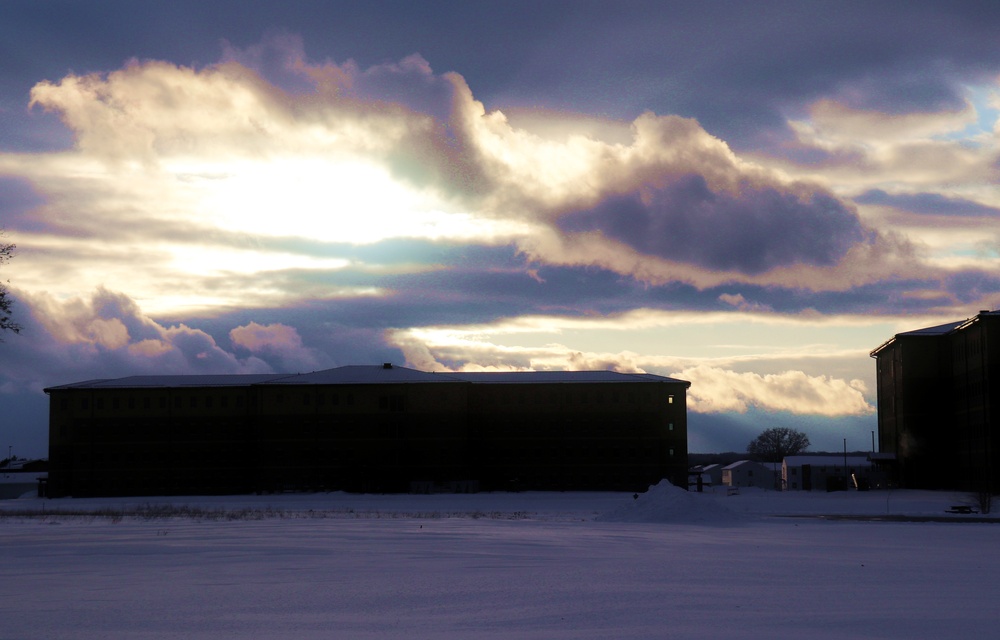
(527, 565)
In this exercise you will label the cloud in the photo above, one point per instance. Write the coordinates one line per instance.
(189, 166)
(716, 390)
(858, 149)
(931, 204)
(739, 302)
(725, 378)
(752, 230)
(280, 342)
(106, 334)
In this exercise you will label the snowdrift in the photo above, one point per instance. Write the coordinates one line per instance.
(665, 502)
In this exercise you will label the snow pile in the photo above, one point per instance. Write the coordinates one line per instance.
(664, 502)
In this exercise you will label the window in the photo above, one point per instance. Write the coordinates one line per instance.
(670, 399)
(670, 427)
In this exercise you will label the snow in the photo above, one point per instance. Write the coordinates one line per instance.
(528, 565)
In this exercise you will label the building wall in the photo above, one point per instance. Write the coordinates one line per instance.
(914, 406)
(152, 441)
(815, 474)
(749, 474)
(366, 437)
(621, 436)
(974, 370)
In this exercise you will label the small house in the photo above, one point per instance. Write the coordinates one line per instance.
(747, 473)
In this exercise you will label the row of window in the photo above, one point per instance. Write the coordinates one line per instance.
(385, 402)
(552, 397)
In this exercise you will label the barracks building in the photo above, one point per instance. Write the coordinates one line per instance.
(939, 404)
(366, 429)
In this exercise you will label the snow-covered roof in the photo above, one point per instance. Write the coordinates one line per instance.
(366, 374)
(740, 463)
(826, 461)
(221, 380)
(937, 330)
(529, 377)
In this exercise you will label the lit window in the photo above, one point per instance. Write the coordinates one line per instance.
(670, 399)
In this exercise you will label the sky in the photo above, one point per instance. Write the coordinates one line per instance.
(747, 196)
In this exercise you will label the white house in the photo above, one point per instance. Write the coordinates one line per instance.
(747, 473)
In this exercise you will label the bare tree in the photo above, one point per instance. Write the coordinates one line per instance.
(6, 324)
(772, 445)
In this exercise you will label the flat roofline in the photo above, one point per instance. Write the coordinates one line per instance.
(367, 375)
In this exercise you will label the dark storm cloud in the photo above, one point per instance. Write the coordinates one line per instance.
(929, 204)
(971, 287)
(736, 66)
(760, 229)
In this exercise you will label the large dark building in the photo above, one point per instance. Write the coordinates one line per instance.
(366, 428)
(937, 391)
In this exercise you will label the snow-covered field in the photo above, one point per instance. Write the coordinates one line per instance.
(669, 564)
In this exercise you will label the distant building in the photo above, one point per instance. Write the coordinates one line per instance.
(747, 473)
(22, 477)
(367, 428)
(711, 474)
(939, 404)
(823, 473)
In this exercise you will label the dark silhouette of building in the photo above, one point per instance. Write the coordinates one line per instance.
(366, 428)
(937, 391)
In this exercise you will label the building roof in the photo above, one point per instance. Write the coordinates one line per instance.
(938, 330)
(367, 374)
(363, 374)
(173, 381)
(826, 461)
(740, 463)
(549, 377)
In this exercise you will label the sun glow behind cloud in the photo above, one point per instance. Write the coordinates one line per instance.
(328, 200)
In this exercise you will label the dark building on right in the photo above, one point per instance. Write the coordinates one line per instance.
(938, 404)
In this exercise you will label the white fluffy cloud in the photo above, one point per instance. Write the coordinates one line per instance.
(715, 390)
